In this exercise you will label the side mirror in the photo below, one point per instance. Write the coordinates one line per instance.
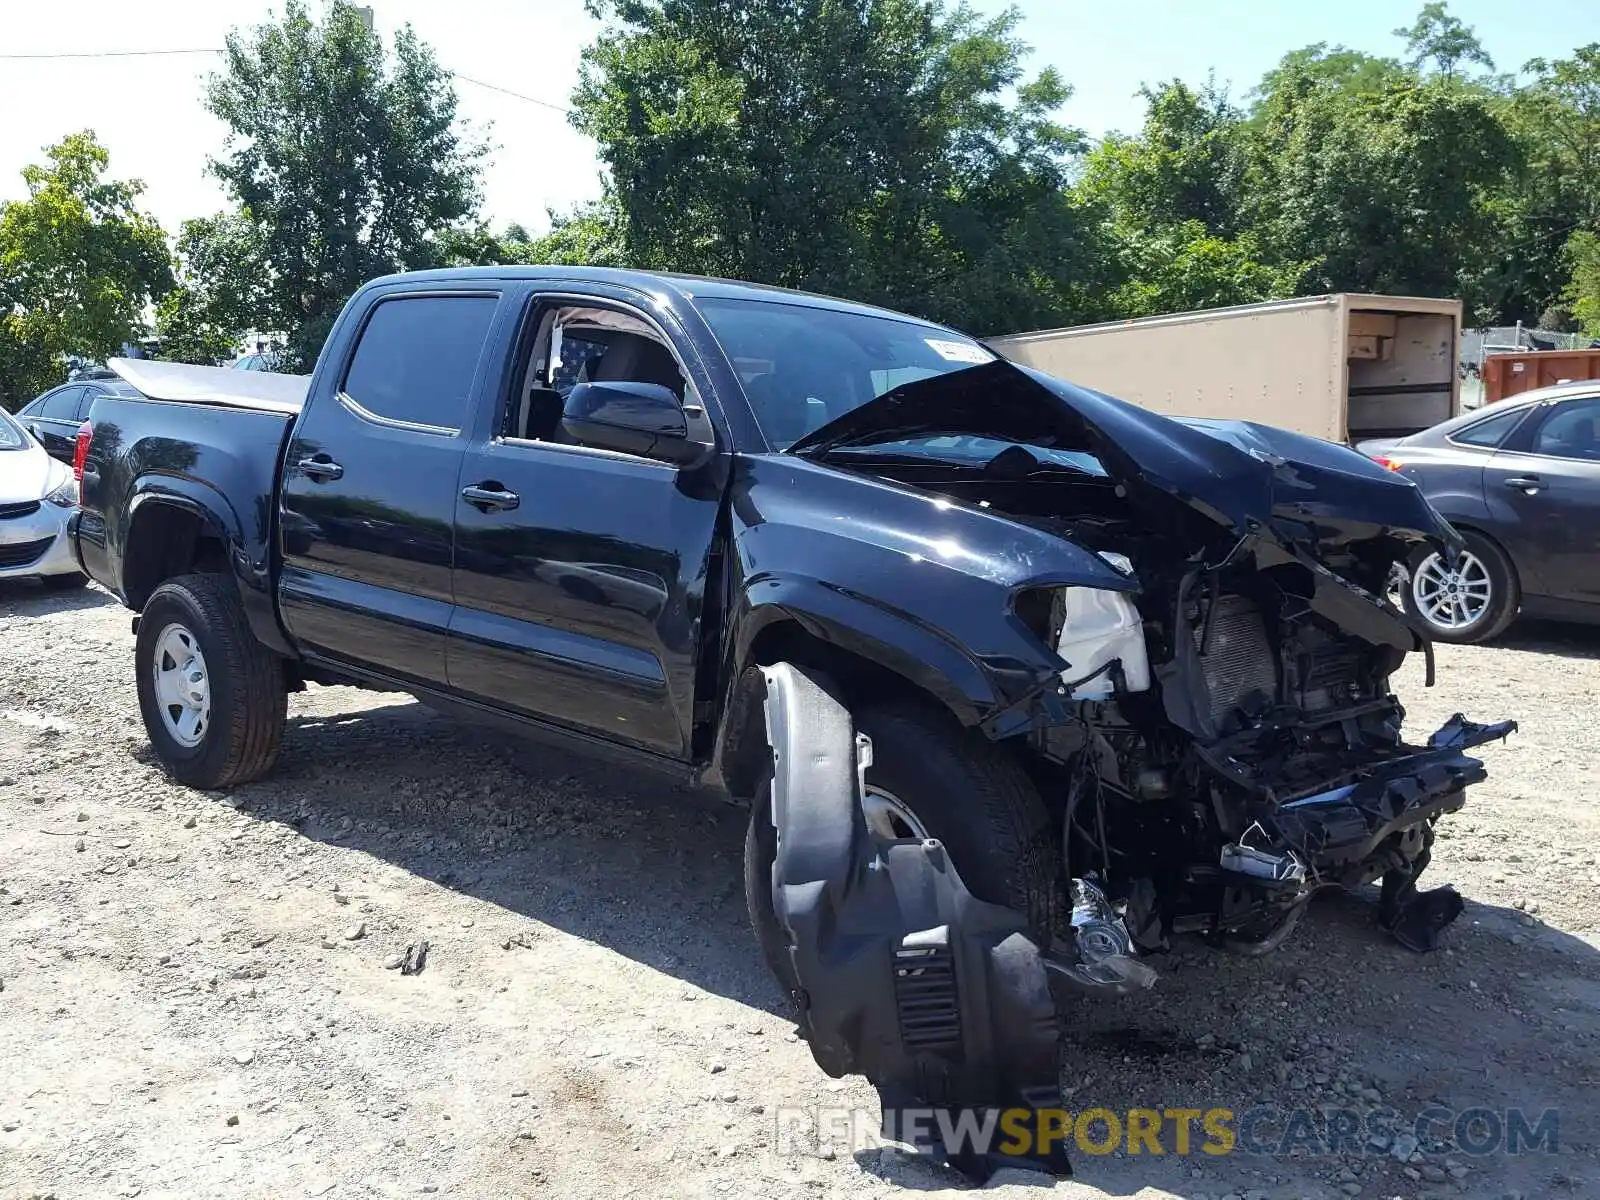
(634, 418)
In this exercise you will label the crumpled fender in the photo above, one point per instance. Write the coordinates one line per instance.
(938, 998)
(914, 583)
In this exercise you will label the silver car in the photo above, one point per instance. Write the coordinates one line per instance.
(37, 495)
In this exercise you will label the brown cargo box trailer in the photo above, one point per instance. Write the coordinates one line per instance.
(1342, 367)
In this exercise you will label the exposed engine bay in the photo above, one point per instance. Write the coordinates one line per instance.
(1224, 731)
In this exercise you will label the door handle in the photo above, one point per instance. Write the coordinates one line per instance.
(1529, 484)
(489, 499)
(321, 468)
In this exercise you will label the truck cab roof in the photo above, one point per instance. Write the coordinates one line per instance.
(686, 288)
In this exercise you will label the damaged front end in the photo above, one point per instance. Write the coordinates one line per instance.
(1219, 736)
(1211, 728)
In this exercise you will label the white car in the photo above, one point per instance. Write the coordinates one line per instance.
(37, 495)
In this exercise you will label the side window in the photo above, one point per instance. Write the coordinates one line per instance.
(417, 358)
(86, 402)
(62, 405)
(580, 344)
(1491, 431)
(1570, 430)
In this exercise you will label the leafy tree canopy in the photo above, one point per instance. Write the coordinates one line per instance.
(345, 157)
(79, 263)
(892, 150)
(1438, 38)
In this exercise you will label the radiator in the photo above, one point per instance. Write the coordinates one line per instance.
(1239, 661)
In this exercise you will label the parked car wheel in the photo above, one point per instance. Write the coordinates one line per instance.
(212, 697)
(64, 583)
(1471, 601)
(931, 778)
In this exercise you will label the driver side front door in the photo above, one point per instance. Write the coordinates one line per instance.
(581, 574)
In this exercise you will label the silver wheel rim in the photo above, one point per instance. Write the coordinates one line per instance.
(182, 685)
(1453, 599)
(889, 818)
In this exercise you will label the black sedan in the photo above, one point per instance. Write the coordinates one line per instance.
(1521, 481)
(54, 417)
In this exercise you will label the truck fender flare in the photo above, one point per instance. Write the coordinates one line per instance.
(192, 496)
(856, 626)
(219, 519)
(938, 999)
(918, 653)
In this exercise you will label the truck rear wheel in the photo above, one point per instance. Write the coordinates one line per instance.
(212, 697)
(932, 778)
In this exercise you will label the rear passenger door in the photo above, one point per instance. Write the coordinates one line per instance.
(370, 483)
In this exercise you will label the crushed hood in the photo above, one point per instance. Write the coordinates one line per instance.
(1247, 477)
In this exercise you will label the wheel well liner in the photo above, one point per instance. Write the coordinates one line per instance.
(167, 538)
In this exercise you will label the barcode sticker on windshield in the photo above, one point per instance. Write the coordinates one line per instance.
(958, 351)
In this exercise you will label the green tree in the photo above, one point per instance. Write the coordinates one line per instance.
(891, 150)
(1176, 268)
(79, 263)
(1555, 120)
(1583, 286)
(221, 289)
(1185, 164)
(1335, 66)
(1437, 37)
(1388, 191)
(1170, 200)
(588, 236)
(345, 156)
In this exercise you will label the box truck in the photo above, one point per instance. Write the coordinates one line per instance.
(1342, 367)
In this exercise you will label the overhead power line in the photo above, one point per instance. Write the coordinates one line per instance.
(79, 54)
(108, 54)
(560, 108)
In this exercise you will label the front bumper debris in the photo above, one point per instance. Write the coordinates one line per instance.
(1342, 834)
(1382, 827)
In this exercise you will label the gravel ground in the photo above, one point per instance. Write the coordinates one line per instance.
(200, 994)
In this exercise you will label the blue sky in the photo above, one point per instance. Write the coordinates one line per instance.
(147, 111)
(1106, 51)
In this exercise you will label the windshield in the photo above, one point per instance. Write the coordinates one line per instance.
(802, 366)
(11, 435)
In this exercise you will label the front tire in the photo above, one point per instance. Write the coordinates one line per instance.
(1471, 603)
(931, 777)
(69, 582)
(212, 697)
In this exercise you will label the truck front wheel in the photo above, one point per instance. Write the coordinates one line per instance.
(212, 697)
(932, 778)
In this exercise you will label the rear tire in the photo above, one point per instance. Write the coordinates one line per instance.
(1483, 562)
(962, 789)
(237, 738)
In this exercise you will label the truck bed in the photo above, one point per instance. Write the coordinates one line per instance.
(263, 391)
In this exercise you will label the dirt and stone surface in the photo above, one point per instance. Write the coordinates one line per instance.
(201, 995)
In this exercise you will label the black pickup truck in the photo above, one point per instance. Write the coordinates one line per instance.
(943, 622)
